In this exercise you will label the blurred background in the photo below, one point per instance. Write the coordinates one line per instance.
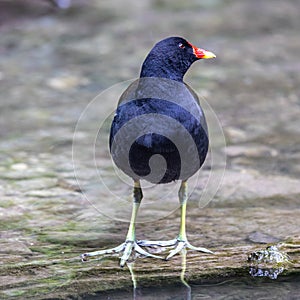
(56, 56)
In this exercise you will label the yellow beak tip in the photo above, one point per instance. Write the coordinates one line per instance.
(209, 54)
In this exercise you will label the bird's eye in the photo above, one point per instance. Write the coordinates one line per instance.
(180, 45)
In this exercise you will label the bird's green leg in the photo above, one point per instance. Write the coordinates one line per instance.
(182, 241)
(183, 197)
(130, 242)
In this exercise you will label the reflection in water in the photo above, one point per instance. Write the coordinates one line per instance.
(272, 273)
(237, 287)
(184, 294)
(130, 266)
(182, 274)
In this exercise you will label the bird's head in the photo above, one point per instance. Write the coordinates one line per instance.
(171, 58)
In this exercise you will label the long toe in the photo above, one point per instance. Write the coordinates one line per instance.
(146, 243)
(141, 251)
(85, 256)
(200, 249)
(179, 247)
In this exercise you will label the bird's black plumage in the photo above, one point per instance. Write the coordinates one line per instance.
(165, 67)
(159, 134)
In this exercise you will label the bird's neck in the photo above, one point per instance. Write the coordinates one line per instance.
(155, 67)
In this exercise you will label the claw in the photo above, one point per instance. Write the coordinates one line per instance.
(84, 257)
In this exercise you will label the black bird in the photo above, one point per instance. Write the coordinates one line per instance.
(159, 134)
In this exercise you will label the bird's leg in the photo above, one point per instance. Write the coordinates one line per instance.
(182, 241)
(130, 238)
(130, 242)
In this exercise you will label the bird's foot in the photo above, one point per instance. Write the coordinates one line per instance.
(127, 248)
(178, 245)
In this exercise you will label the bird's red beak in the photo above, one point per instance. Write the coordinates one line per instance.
(201, 53)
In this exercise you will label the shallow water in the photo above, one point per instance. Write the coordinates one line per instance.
(230, 288)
